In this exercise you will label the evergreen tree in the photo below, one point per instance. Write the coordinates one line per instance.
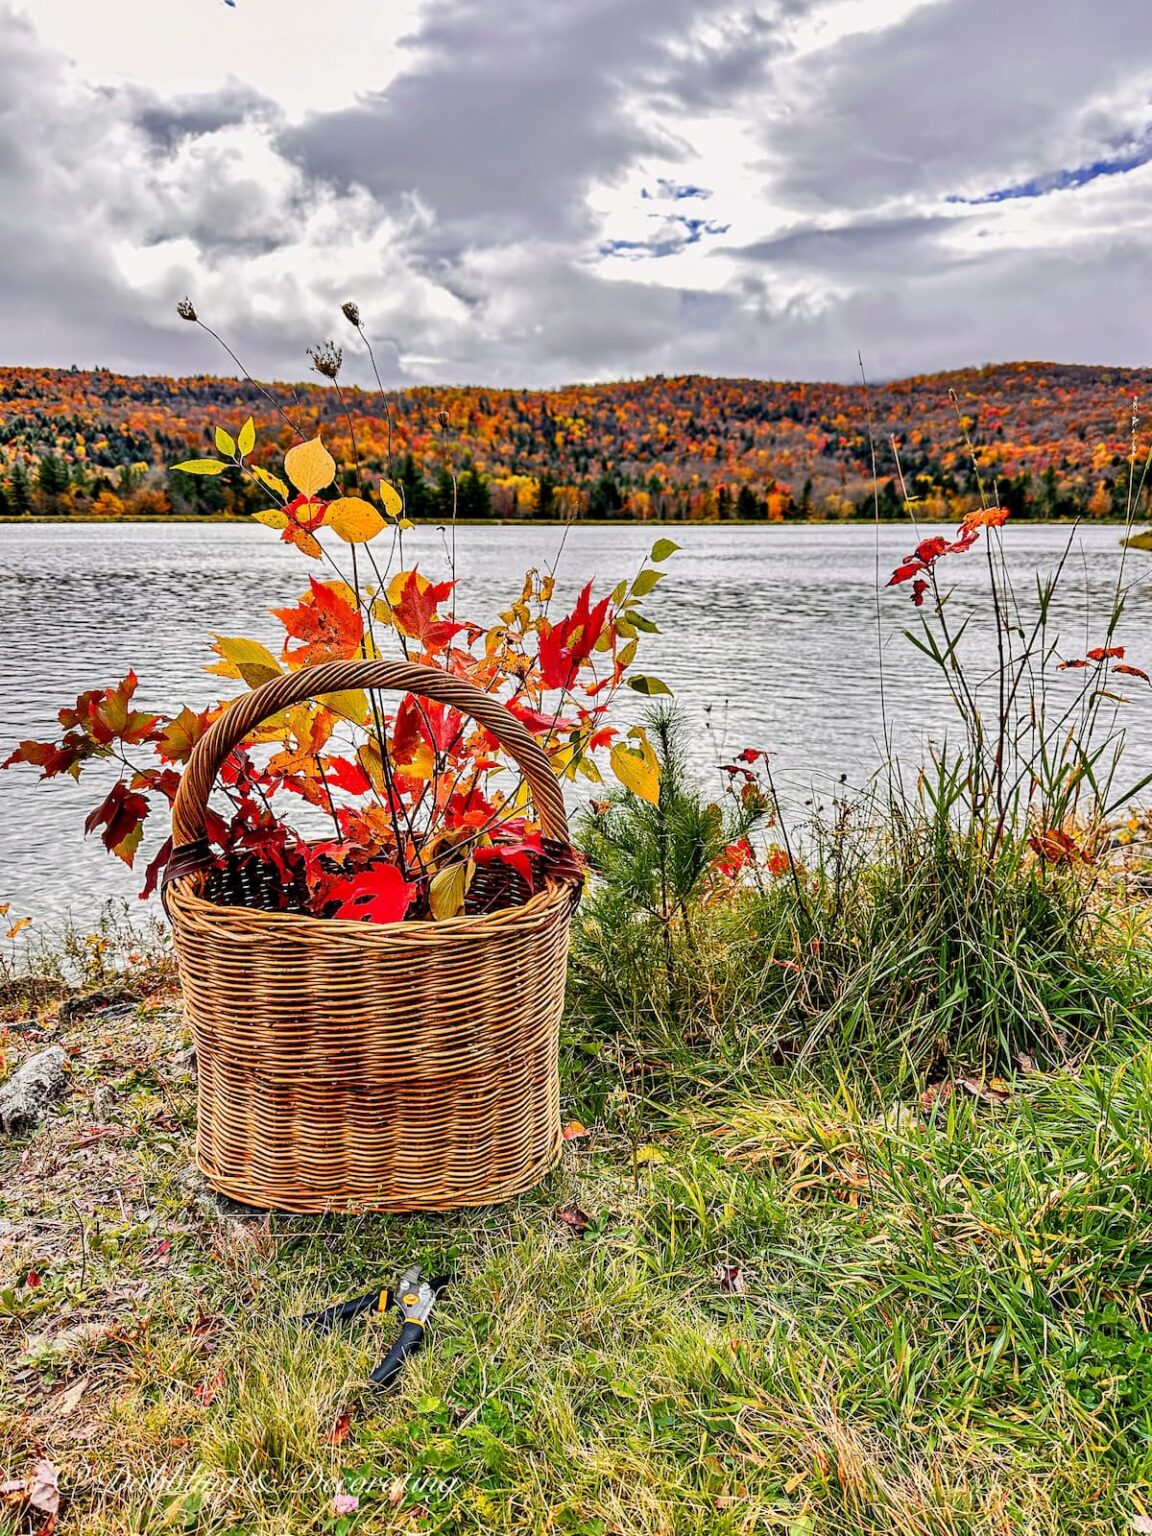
(546, 495)
(20, 490)
(52, 481)
(474, 497)
(604, 499)
(414, 489)
(748, 504)
(445, 497)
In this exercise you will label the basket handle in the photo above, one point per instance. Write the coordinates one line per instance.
(226, 733)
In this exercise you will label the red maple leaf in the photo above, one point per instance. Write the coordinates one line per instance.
(306, 512)
(1133, 672)
(53, 757)
(1055, 846)
(566, 645)
(1106, 653)
(347, 775)
(329, 627)
(415, 612)
(121, 813)
(106, 715)
(156, 868)
(377, 895)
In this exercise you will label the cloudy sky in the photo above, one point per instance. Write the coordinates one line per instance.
(532, 192)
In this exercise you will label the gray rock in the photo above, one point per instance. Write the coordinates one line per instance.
(25, 1097)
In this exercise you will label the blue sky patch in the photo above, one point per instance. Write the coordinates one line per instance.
(1062, 181)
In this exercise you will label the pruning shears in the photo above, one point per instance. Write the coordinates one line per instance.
(413, 1298)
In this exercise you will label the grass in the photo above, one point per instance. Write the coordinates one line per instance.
(802, 1302)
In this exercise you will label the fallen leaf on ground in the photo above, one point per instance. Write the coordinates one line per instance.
(935, 1093)
(207, 1391)
(340, 1430)
(993, 1090)
(572, 1130)
(43, 1493)
(731, 1278)
(572, 1216)
(68, 1400)
(1142, 1523)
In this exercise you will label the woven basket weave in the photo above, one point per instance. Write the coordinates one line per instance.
(358, 1066)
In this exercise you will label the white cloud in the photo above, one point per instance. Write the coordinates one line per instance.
(525, 193)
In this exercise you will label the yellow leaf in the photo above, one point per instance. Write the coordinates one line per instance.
(246, 440)
(391, 499)
(271, 517)
(271, 481)
(368, 756)
(310, 467)
(636, 767)
(202, 467)
(448, 888)
(224, 442)
(246, 659)
(354, 520)
(18, 927)
(650, 1154)
(349, 704)
(405, 523)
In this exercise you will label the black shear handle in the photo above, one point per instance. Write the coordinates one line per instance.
(410, 1340)
(345, 1311)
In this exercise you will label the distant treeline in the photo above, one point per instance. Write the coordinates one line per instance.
(1051, 442)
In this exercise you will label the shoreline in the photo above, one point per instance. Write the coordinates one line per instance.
(586, 522)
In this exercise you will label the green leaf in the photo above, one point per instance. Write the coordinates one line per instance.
(201, 467)
(662, 549)
(648, 686)
(247, 438)
(645, 582)
(619, 593)
(224, 442)
(638, 621)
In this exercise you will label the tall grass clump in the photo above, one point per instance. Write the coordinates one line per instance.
(961, 918)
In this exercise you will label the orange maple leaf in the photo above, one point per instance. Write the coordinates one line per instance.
(329, 627)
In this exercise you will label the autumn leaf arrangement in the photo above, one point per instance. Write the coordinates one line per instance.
(425, 816)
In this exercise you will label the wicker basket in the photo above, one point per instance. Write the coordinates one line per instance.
(354, 1066)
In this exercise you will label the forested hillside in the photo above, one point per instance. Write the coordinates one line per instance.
(1055, 439)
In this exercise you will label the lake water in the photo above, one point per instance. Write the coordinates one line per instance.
(769, 639)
